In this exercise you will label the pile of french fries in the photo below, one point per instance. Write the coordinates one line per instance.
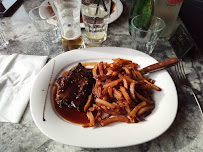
(120, 94)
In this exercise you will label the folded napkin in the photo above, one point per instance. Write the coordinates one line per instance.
(17, 74)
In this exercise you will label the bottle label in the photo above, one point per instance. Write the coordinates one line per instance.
(174, 2)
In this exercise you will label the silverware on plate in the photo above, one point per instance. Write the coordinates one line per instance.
(180, 72)
(159, 66)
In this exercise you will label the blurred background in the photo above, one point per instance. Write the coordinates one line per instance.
(191, 14)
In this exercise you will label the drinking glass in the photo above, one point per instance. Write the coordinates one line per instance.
(46, 24)
(95, 14)
(145, 32)
(3, 40)
(68, 16)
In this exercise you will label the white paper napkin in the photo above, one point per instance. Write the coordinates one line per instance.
(17, 74)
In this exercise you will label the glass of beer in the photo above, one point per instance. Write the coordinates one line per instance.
(68, 16)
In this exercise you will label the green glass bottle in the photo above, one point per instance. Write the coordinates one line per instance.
(139, 7)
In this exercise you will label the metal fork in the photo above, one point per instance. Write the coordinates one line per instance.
(180, 72)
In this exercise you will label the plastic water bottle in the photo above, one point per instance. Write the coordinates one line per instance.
(168, 11)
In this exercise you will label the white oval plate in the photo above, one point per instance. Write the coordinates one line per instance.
(118, 9)
(113, 135)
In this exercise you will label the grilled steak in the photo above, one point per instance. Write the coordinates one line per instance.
(74, 88)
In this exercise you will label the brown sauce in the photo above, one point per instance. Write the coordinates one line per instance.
(71, 114)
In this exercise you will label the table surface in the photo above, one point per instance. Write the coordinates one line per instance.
(186, 132)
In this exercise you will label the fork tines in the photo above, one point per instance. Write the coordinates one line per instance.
(180, 72)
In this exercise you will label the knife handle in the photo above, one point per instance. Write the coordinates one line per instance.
(161, 65)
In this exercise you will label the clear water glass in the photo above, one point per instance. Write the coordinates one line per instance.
(46, 25)
(95, 14)
(145, 33)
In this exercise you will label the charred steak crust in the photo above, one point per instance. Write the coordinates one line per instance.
(74, 88)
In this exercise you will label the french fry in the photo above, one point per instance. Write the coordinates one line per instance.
(100, 66)
(134, 111)
(127, 71)
(104, 108)
(115, 112)
(117, 94)
(109, 71)
(124, 61)
(104, 92)
(105, 65)
(88, 103)
(132, 91)
(97, 90)
(145, 87)
(115, 61)
(95, 106)
(116, 104)
(113, 83)
(125, 94)
(98, 82)
(127, 108)
(107, 116)
(99, 113)
(138, 74)
(91, 118)
(125, 83)
(120, 76)
(129, 79)
(121, 104)
(152, 85)
(132, 65)
(134, 76)
(110, 93)
(115, 73)
(105, 103)
(104, 122)
(94, 70)
(145, 109)
(98, 116)
(143, 98)
(115, 64)
(91, 109)
(105, 97)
